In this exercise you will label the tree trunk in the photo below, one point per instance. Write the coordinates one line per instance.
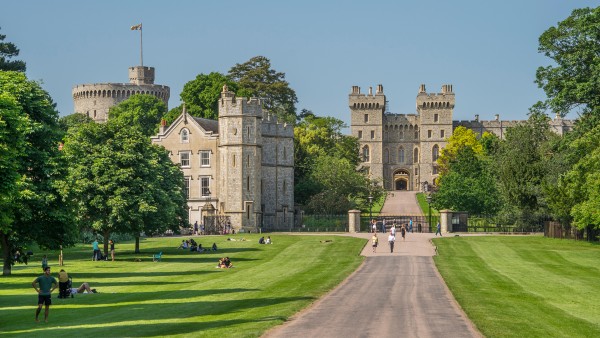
(106, 236)
(6, 271)
(137, 243)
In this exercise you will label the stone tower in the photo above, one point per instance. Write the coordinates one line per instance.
(367, 120)
(435, 119)
(94, 100)
(240, 156)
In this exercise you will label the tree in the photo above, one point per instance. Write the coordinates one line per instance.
(461, 137)
(201, 95)
(574, 81)
(30, 163)
(142, 110)
(255, 78)
(314, 138)
(72, 121)
(8, 50)
(468, 185)
(120, 182)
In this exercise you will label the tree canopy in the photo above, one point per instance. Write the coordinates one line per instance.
(255, 78)
(8, 50)
(32, 210)
(201, 95)
(142, 110)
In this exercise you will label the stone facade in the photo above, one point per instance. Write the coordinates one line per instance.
(242, 164)
(94, 100)
(402, 149)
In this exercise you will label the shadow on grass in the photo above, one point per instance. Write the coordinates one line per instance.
(175, 305)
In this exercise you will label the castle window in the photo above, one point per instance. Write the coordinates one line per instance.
(366, 118)
(248, 183)
(284, 186)
(435, 153)
(185, 136)
(372, 134)
(429, 133)
(401, 155)
(435, 118)
(205, 186)
(360, 134)
(184, 159)
(416, 134)
(386, 156)
(416, 155)
(442, 134)
(434, 170)
(365, 154)
(186, 181)
(205, 158)
(416, 171)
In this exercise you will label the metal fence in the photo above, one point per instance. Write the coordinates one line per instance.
(503, 223)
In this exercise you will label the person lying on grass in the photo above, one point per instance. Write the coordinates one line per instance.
(82, 288)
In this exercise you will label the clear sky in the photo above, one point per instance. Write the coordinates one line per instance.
(486, 49)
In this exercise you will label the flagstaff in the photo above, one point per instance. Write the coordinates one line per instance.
(139, 28)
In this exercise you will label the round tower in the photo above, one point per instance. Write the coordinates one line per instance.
(94, 100)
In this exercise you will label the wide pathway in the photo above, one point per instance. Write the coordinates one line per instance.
(398, 294)
(401, 203)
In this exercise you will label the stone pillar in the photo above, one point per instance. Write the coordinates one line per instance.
(354, 221)
(446, 221)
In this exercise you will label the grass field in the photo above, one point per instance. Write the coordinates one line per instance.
(527, 286)
(184, 294)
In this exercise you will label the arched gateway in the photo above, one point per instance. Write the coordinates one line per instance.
(401, 179)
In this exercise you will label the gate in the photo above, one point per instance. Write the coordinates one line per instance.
(217, 225)
(420, 223)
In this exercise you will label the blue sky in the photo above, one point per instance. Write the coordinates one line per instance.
(486, 49)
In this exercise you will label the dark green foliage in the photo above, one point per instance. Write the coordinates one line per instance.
(142, 111)
(255, 78)
(8, 50)
(201, 96)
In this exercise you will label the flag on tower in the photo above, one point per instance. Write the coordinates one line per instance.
(136, 27)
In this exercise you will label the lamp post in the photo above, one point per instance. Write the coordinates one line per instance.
(429, 206)
(370, 212)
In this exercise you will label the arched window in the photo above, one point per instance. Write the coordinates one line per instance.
(386, 156)
(365, 154)
(185, 136)
(435, 153)
(416, 155)
(401, 155)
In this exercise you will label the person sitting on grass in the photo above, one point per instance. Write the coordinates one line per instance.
(225, 263)
(214, 247)
(84, 287)
(261, 240)
(268, 241)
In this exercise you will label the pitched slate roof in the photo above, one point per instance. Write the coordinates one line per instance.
(208, 125)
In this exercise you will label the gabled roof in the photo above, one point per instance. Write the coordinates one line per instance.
(209, 127)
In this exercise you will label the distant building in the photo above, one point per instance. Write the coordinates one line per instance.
(94, 100)
(402, 149)
(239, 169)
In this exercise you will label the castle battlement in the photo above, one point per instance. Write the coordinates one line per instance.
(230, 105)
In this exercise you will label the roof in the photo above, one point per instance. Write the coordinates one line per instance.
(208, 125)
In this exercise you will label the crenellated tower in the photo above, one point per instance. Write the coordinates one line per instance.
(435, 119)
(240, 155)
(367, 120)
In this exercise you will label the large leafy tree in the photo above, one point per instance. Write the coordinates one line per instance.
(201, 96)
(461, 137)
(120, 182)
(256, 78)
(573, 82)
(29, 163)
(8, 50)
(143, 111)
(468, 185)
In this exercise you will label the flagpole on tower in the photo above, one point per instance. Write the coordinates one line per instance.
(139, 28)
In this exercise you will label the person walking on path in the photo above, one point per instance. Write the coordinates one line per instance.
(403, 231)
(46, 284)
(391, 240)
(393, 230)
(438, 229)
(196, 228)
(112, 249)
(375, 240)
(410, 225)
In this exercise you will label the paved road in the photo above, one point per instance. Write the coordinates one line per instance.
(390, 295)
(401, 203)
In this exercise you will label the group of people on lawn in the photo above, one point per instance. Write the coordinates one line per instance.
(195, 247)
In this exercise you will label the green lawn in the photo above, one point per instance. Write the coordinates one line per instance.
(527, 286)
(184, 294)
